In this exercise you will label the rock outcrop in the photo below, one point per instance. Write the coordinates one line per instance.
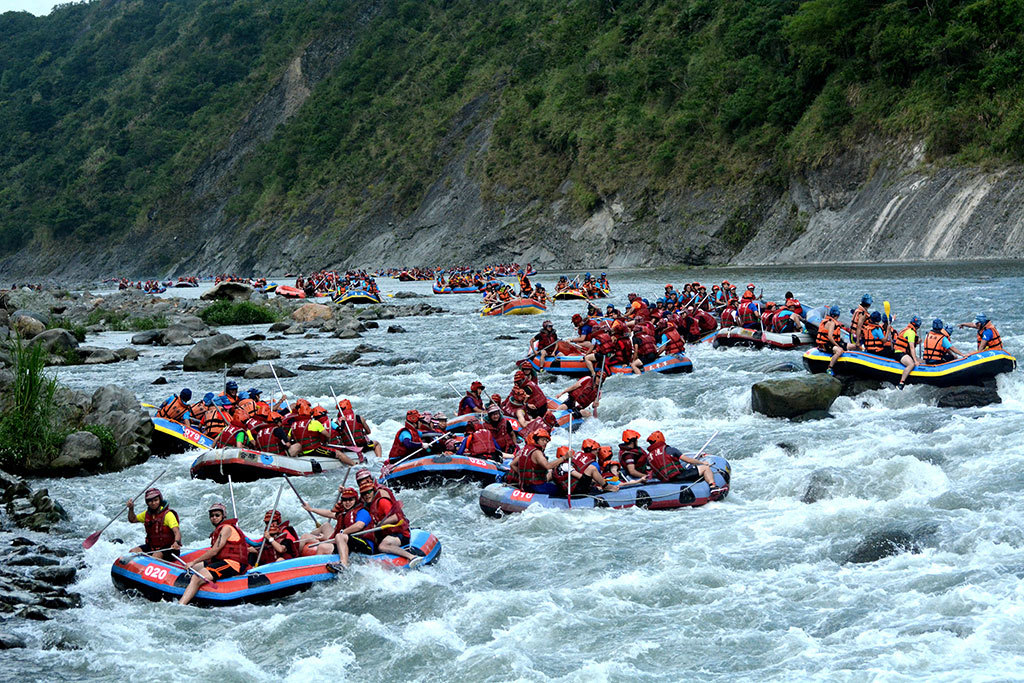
(795, 396)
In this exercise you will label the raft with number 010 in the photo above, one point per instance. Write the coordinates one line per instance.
(159, 580)
(670, 364)
(243, 464)
(500, 499)
(975, 368)
(516, 307)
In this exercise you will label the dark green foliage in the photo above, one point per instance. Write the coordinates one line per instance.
(118, 320)
(108, 108)
(76, 330)
(237, 313)
(108, 444)
(28, 421)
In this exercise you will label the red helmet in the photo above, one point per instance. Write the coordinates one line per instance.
(541, 434)
(364, 474)
(577, 318)
(562, 450)
(476, 386)
(520, 376)
(274, 515)
(751, 286)
(349, 493)
(412, 415)
(604, 453)
(590, 445)
(656, 437)
(344, 404)
(153, 493)
(318, 412)
(629, 435)
(365, 485)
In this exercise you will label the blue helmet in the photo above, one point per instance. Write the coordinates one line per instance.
(208, 399)
(185, 394)
(937, 324)
(915, 321)
(866, 300)
(254, 393)
(834, 311)
(243, 394)
(876, 317)
(981, 318)
(232, 385)
(603, 274)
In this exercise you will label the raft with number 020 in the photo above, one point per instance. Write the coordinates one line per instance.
(499, 499)
(760, 339)
(171, 437)
(516, 307)
(243, 464)
(975, 368)
(160, 580)
(574, 365)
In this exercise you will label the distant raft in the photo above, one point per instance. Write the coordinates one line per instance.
(171, 437)
(760, 339)
(289, 292)
(445, 289)
(243, 464)
(159, 580)
(670, 364)
(500, 499)
(974, 369)
(356, 296)
(571, 293)
(437, 470)
(516, 307)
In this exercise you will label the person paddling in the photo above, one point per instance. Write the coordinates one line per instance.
(473, 401)
(671, 464)
(351, 517)
(176, 407)
(386, 511)
(163, 531)
(227, 556)
(988, 336)
(829, 339)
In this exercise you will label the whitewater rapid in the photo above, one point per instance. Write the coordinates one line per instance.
(755, 587)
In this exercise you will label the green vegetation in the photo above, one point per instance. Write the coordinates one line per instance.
(76, 330)
(108, 444)
(107, 109)
(238, 313)
(29, 424)
(121, 322)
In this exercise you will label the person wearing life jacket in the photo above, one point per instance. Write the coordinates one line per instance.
(583, 468)
(230, 396)
(536, 402)
(227, 556)
(163, 530)
(748, 293)
(645, 346)
(501, 431)
(828, 338)
(860, 314)
(608, 465)
(749, 314)
(261, 409)
(175, 407)
(472, 402)
(787, 319)
(199, 410)
(515, 405)
(280, 541)
(530, 469)
(350, 519)
(988, 335)
(386, 511)
(671, 341)
(730, 314)
(354, 430)
(544, 343)
(584, 393)
(632, 457)
(271, 438)
(407, 440)
(670, 464)
(937, 346)
(904, 349)
(872, 334)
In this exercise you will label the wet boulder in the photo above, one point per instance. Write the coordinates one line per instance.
(821, 485)
(310, 312)
(396, 329)
(969, 397)
(175, 335)
(267, 372)
(794, 396)
(230, 291)
(27, 326)
(881, 544)
(97, 355)
(215, 352)
(81, 450)
(147, 337)
(856, 387)
(58, 341)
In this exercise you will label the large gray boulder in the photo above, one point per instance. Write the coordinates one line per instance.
(44, 318)
(81, 450)
(266, 372)
(176, 335)
(968, 397)
(232, 291)
(118, 409)
(216, 352)
(794, 396)
(56, 341)
(147, 337)
(26, 326)
(96, 355)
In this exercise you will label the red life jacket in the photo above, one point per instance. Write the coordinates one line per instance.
(398, 450)
(645, 342)
(287, 537)
(664, 466)
(635, 455)
(469, 404)
(580, 462)
(226, 437)
(536, 402)
(480, 441)
(348, 518)
(675, 341)
(503, 435)
(157, 534)
(603, 342)
(623, 350)
(528, 473)
(377, 513)
(747, 313)
(266, 441)
(355, 426)
(237, 550)
(729, 316)
(173, 410)
(586, 394)
(995, 342)
(546, 339)
(310, 440)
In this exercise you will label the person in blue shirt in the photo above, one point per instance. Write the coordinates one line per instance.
(937, 346)
(350, 517)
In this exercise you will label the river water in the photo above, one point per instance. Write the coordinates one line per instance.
(751, 588)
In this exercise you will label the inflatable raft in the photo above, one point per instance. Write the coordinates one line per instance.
(741, 336)
(574, 365)
(289, 292)
(455, 290)
(516, 307)
(500, 499)
(434, 470)
(159, 580)
(357, 296)
(242, 464)
(571, 293)
(170, 437)
(974, 369)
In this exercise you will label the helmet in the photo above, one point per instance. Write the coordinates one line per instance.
(833, 311)
(604, 453)
(915, 321)
(751, 286)
(476, 386)
(365, 485)
(153, 493)
(876, 316)
(232, 385)
(272, 514)
(318, 412)
(866, 300)
(219, 507)
(656, 437)
(344, 404)
(185, 394)
(518, 394)
(629, 435)
(635, 305)
(208, 399)
(715, 288)
(577, 318)
(412, 415)
(981, 318)
(349, 493)
(547, 323)
(440, 416)
(302, 407)
(363, 474)
(494, 409)
(243, 394)
(562, 450)
(587, 275)
(590, 444)
(541, 434)
(520, 376)
(937, 324)
(254, 393)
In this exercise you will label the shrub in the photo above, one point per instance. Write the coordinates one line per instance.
(108, 444)
(237, 313)
(76, 330)
(27, 423)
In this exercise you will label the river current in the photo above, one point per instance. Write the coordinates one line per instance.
(755, 587)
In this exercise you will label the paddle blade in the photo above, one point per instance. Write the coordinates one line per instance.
(887, 309)
(90, 541)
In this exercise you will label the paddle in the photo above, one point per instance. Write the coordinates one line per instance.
(231, 488)
(357, 533)
(299, 496)
(600, 386)
(176, 562)
(284, 397)
(568, 479)
(392, 465)
(266, 527)
(91, 539)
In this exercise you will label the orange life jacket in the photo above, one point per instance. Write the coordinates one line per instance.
(174, 410)
(901, 344)
(933, 351)
(236, 549)
(870, 342)
(824, 339)
(995, 342)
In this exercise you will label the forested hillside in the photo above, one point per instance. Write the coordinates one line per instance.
(120, 120)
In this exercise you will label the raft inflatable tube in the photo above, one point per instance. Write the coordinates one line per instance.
(158, 580)
(359, 296)
(186, 284)
(741, 336)
(499, 499)
(171, 437)
(242, 465)
(270, 287)
(436, 470)
(455, 290)
(289, 292)
(516, 307)
(671, 364)
(571, 293)
(976, 368)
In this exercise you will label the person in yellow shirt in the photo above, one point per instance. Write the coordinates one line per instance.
(163, 533)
